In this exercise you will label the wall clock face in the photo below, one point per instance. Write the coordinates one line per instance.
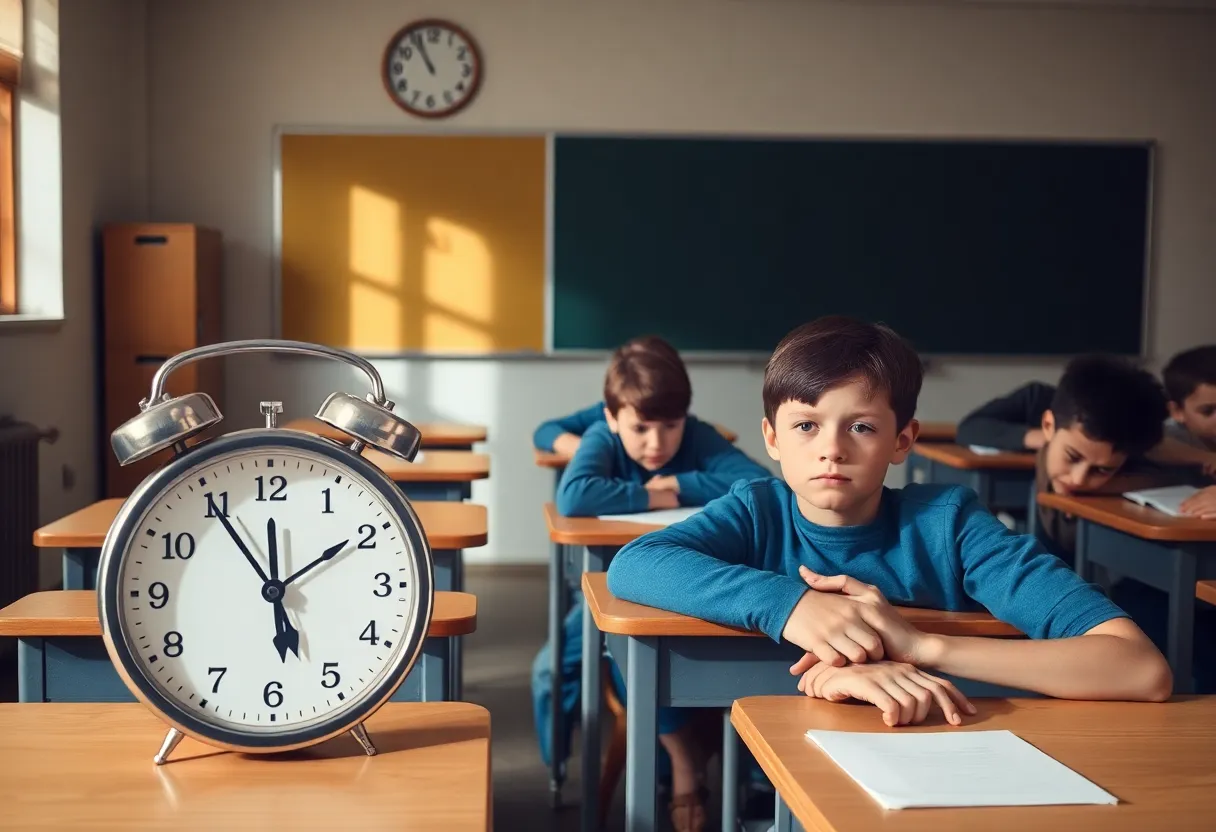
(266, 590)
(432, 68)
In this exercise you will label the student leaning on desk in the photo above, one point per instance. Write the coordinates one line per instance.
(839, 397)
(647, 453)
(1091, 433)
(1190, 385)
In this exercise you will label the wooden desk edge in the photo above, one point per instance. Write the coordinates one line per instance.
(948, 454)
(455, 614)
(674, 624)
(1206, 591)
(612, 533)
(778, 773)
(1100, 509)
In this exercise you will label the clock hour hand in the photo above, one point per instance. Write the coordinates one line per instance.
(240, 544)
(286, 637)
(328, 554)
(422, 51)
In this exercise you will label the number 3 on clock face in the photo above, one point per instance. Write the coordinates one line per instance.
(268, 589)
(432, 68)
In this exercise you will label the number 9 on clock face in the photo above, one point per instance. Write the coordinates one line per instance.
(266, 589)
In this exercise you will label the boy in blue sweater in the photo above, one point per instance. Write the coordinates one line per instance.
(647, 453)
(818, 557)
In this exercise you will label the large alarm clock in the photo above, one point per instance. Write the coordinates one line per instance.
(266, 589)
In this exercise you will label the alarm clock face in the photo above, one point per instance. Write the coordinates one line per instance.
(270, 588)
(432, 68)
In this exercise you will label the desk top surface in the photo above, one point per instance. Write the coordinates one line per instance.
(613, 615)
(448, 525)
(1206, 591)
(432, 466)
(1155, 758)
(937, 432)
(956, 456)
(1122, 514)
(73, 612)
(65, 766)
(434, 434)
(592, 531)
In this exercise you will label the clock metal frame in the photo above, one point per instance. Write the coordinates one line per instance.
(116, 548)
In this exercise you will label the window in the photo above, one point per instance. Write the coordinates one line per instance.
(12, 22)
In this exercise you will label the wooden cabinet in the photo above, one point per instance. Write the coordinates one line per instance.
(161, 295)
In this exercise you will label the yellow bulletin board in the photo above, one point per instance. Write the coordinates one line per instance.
(393, 243)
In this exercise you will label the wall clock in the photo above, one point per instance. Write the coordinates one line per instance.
(432, 68)
(266, 589)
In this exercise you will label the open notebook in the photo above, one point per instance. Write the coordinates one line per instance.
(1166, 500)
(955, 768)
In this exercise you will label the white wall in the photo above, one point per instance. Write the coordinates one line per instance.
(85, 125)
(224, 73)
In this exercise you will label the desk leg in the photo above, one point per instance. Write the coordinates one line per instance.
(31, 670)
(80, 568)
(783, 820)
(982, 483)
(593, 649)
(1081, 557)
(641, 735)
(557, 615)
(457, 658)
(435, 660)
(1182, 618)
(730, 774)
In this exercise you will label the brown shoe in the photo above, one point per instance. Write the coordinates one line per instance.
(688, 811)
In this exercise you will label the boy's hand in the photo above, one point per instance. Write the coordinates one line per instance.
(661, 499)
(903, 693)
(663, 483)
(836, 628)
(1034, 439)
(845, 629)
(1201, 505)
(567, 444)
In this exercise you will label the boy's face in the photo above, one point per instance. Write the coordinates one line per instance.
(650, 443)
(1197, 412)
(834, 454)
(1074, 461)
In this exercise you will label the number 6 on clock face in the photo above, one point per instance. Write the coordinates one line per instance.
(269, 589)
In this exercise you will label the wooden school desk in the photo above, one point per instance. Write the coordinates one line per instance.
(450, 528)
(668, 659)
(1206, 591)
(434, 434)
(61, 658)
(1168, 553)
(937, 432)
(434, 475)
(1002, 481)
(88, 766)
(599, 540)
(1156, 758)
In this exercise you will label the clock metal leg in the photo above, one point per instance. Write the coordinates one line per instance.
(360, 735)
(166, 748)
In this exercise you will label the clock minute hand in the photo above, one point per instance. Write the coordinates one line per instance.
(328, 554)
(240, 544)
(422, 51)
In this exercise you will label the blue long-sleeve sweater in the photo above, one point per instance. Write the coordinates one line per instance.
(736, 562)
(576, 423)
(602, 479)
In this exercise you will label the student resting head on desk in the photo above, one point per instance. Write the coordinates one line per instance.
(648, 453)
(839, 399)
(1103, 412)
(1190, 386)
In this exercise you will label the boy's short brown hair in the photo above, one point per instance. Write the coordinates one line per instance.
(833, 350)
(1187, 370)
(648, 375)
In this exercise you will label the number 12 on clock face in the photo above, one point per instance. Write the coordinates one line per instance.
(268, 589)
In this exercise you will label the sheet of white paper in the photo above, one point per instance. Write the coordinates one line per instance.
(984, 450)
(662, 517)
(955, 768)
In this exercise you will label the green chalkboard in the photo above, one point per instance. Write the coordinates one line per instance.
(721, 245)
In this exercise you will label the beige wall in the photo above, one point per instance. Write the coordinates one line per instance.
(221, 74)
(99, 101)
